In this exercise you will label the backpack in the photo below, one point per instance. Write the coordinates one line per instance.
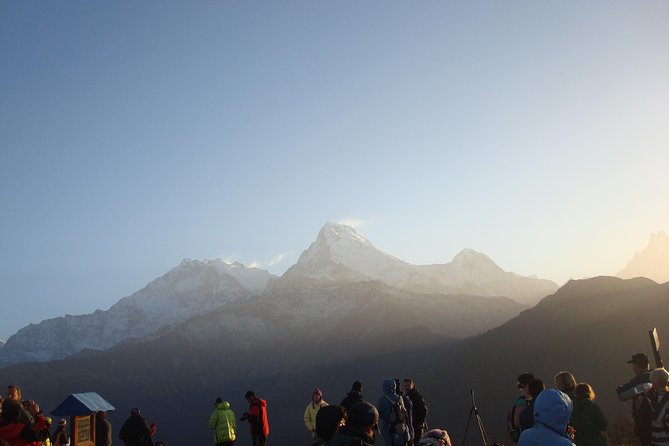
(399, 429)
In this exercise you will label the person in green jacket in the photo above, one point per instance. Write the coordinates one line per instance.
(587, 418)
(224, 423)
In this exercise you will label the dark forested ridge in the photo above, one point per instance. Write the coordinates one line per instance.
(590, 327)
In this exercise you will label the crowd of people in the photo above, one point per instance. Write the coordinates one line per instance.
(400, 419)
(565, 415)
(22, 423)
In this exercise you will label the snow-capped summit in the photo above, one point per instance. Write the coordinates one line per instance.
(341, 254)
(652, 262)
(192, 287)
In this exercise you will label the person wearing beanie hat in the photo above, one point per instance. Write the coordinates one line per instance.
(60, 437)
(435, 437)
(312, 409)
(352, 397)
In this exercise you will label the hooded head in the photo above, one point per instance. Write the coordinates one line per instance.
(223, 405)
(552, 408)
(389, 387)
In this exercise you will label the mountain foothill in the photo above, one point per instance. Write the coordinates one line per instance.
(345, 311)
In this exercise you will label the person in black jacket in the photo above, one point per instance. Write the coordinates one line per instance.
(419, 419)
(135, 431)
(352, 397)
(359, 429)
(634, 390)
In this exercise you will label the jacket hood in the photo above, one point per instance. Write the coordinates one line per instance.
(552, 408)
(260, 402)
(389, 388)
(224, 405)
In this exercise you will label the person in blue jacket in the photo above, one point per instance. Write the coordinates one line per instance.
(552, 410)
(390, 435)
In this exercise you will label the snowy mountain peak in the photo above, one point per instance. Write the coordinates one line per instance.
(335, 233)
(652, 262)
(340, 253)
(470, 256)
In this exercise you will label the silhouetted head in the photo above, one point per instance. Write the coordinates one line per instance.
(363, 415)
(357, 386)
(583, 391)
(535, 387)
(565, 382)
(328, 420)
(659, 378)
(250, 395)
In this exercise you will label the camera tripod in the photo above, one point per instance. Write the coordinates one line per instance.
(475, 412)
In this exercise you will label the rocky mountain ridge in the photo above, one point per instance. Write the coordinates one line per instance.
(339, 256)
(191, 288)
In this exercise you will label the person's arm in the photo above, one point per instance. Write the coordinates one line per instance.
(308, 423)
(213, 420)
(520, 407)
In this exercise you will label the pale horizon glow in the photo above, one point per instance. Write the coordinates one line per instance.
(135, 135)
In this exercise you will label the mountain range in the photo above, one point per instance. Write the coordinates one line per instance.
(338, 256)
(345, 321)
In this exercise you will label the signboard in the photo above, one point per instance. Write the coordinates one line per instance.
(83, 434)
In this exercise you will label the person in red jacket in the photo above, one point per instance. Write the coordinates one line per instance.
(13, 429)
(257, 417)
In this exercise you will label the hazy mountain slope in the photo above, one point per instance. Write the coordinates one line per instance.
(652, 262)
(589, 327)
(192, 287)
(259, 343)
(340, 254)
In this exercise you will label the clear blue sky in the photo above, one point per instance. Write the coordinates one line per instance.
(135, 134)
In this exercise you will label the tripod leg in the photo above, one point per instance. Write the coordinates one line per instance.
(469, 421)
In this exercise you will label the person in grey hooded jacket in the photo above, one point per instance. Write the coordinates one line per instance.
(386, 402)
(552, 410)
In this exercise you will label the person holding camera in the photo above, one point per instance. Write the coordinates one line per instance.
(257, 418)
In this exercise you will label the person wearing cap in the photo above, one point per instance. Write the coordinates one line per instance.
(135, 431)
(60, 437)
(312, 409)
(362, 420)
(634, 390)
(224, 423)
